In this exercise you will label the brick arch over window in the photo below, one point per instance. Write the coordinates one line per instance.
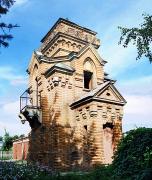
(89, 74)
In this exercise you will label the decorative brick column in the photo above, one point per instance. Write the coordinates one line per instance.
(117, 131)
(95, 138)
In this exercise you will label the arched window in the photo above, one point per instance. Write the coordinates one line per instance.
(89, 74)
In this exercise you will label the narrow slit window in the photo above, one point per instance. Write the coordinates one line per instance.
(85, 127)
(87, 79)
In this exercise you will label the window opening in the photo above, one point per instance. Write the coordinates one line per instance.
(88, 79)
(74, 155)
(108, 94)
(108, 125)
(85, 127)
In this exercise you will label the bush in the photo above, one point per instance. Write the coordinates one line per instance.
(102, 173)
(14, 170)
(24, 171)
(133, 159)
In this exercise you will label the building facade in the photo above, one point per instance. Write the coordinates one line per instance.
(74, 109)
(20, 148)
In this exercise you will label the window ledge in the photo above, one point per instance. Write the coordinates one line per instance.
(87, 90)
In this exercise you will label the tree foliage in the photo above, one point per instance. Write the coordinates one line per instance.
(1, 138)
(5, 35)
(140, 37)
(133, 160)
(8, 140)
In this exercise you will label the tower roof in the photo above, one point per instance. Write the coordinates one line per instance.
(70, 23)
(65, 30)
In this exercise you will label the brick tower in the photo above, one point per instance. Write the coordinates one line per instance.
(74, 109)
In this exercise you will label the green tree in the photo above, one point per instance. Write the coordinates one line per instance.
(15, 137)
(133, 159)
(7, 142)
(1, 138)
(140, 37)
(5, 35)
(1, 141)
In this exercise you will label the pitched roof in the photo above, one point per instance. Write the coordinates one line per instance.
(60, 67)
(94, 51)
(64, 66)
(93, 91)
(90, 95)
(40, 57)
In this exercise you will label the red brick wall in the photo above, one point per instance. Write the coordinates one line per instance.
(20, 149)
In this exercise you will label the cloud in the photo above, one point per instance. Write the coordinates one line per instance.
(137, 111)
(140, 105)
(17, 82)
(7, 73)
(11, 108)
(9, 119)
(137, 86)
(119, 58)
(20, 2)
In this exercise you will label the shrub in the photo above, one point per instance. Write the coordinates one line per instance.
(102, 173)
(133, 159)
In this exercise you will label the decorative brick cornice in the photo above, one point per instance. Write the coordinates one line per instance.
(72, 30)
(60, 82)
(55, 81)
(93, 113)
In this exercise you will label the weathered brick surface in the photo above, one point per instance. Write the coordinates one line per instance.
(20, 149)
